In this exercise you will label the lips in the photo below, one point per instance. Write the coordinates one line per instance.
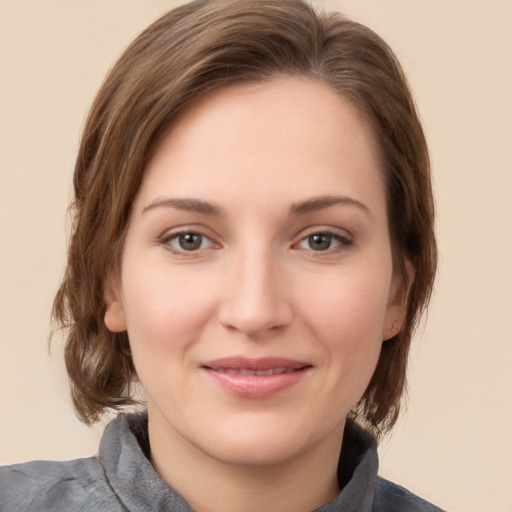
(243, 371)
(255, 378)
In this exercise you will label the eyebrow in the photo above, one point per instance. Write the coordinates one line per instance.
(319, 203)
(189, 204)
(312, 204)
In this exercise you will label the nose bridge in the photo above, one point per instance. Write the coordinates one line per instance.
(254, 300)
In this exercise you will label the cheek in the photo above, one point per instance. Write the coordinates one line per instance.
(166, 308)
(347, 316)
(349, 306)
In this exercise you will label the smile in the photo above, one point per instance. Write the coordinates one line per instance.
(270, 371)
(255, 378)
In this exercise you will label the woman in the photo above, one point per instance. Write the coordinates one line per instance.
(253, 244)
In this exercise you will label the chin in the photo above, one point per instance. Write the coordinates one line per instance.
(260, 451)
(262, 442)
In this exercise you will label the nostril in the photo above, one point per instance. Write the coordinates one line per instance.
(253, 302)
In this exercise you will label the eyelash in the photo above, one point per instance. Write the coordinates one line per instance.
(166, 240)
(343, 242)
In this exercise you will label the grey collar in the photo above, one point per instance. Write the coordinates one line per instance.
(124, 453)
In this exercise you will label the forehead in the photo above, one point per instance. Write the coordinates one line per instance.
(288, 134)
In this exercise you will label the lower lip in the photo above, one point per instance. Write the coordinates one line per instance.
(256, 386)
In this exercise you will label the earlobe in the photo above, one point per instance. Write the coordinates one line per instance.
(392, 329)
(114, 314)
(398, 301)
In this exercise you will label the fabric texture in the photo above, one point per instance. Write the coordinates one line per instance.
(122, 479)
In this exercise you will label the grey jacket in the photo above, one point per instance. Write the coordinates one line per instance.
(122, 479)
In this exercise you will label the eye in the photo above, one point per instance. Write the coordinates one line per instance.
(323, 242)
(186, 241)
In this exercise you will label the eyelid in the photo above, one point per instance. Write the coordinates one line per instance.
(325, 230)
(170, 234)
(344, 237)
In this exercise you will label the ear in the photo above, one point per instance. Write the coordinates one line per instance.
(397, 302)
(114, 314)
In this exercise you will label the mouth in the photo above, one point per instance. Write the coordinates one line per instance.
(255, 378)
(244, 371)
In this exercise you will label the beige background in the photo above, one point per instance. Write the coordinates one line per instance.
(454, 445)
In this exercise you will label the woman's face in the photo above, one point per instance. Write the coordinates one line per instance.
(256, 281)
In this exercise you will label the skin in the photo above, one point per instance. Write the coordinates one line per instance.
(264, 157)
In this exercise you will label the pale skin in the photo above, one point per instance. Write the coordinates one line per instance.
(259, 232)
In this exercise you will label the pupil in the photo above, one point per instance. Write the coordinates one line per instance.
(320, 242)
(190, 241)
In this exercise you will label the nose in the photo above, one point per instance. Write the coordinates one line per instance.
(254, 300)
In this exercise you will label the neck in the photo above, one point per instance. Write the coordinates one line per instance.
(301, 483)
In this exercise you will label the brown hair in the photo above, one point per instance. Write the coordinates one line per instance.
(194, 49)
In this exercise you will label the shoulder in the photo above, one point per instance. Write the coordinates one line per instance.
(390, 497)
(41, 486)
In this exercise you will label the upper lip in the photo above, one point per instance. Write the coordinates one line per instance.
(257, 364)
